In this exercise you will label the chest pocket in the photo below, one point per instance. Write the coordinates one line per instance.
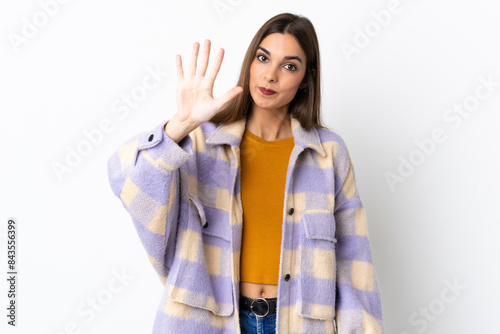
(203, 277)
(317, 265)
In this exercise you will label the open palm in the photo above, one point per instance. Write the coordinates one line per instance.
(195, 101)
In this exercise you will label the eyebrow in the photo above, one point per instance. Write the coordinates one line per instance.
(286, 58)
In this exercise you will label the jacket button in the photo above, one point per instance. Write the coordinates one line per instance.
(287, 277)
(290, 212)
(151, 137)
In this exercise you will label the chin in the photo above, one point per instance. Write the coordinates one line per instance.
(264, 105)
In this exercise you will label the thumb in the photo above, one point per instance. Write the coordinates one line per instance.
(230, 94)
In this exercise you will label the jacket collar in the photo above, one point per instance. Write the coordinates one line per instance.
(232, 134)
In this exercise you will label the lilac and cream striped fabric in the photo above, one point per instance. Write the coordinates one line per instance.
(185, 203)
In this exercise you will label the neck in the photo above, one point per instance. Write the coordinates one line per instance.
(268, 124)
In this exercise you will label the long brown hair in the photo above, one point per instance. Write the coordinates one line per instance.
(305, 106)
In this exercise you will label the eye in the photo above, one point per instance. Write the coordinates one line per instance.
(293, 67)
(260, 59)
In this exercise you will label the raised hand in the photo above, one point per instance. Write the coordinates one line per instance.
(195, 101)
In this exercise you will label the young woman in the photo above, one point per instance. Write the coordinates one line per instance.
(246, 205)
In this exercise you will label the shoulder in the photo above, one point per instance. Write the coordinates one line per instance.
(202, 132)
(332, 141)
(200, 142)
(207, 128)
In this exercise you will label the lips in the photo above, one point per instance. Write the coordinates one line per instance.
(267, 91)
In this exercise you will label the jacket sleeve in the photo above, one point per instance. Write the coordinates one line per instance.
(144, 174)
(358, 303)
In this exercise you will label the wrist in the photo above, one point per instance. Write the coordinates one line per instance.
(176, 129)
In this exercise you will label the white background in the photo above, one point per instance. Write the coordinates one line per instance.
(440, 225)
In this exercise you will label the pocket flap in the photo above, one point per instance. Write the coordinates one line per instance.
(319, 224)
(220, 229)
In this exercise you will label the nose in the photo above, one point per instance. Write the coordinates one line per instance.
(271, 74)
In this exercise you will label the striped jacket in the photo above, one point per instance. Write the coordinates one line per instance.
(185, 202)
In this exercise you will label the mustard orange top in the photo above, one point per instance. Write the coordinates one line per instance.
(263, 174)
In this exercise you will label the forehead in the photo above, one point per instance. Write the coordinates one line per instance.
(281, 45)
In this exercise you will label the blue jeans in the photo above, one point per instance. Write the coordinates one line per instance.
(251, 324)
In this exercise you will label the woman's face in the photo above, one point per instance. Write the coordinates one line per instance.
(279, 65)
